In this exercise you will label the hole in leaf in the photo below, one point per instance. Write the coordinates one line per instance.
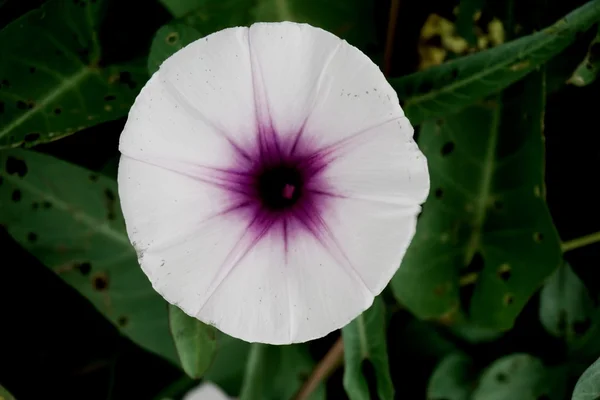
(504, 272)
(447, 148)
(16, 166)
(581, 327)
(502, 377)
(84, 268)
(21, 105)
(57, 110)
(538, 237)
(46, 205)
(32, 237)
(100, 282)
(16, 195)
(172, 37)
(508, 299)
(439, 193)
(93, 177)
(123, 321)
(1, 107)
(109, 97)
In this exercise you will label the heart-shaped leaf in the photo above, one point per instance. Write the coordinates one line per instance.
(70, 219)
(485, 241)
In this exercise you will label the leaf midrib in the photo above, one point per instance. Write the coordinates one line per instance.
(95, 225)
(49, 97)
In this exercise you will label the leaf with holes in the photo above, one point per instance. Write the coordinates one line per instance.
(277, 372)
(485, 241)
(52, 83)
(588, 384)
(70, 219)
(365, 348)
(452, 378)
(195, 342)
(566, 308)
(167, 41)
(445, 89)
(521, 377)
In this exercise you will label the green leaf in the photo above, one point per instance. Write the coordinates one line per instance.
(520, 377)
(588, 385)
(485, 230)
(445, 89)
(70, 219)
(345, 18)
(167, 41)
(566, 308)
(587, 70)
(179, 8)
(365, 342)
(195, 342)
(52, 82)
(452, 379)
(5, 395)
(277, 372)
(228, 367)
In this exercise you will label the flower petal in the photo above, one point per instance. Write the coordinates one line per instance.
(279, 297)
(382, 164)
(161, 132)
(202, 92)
(288, 61)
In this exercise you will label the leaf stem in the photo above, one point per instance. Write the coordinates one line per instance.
(329, 363)
(391, 33)
(580, 242)
(251, 387)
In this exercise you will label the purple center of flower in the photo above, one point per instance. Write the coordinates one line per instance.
(279, 187)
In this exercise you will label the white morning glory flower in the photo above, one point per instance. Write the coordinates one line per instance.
(270, 182)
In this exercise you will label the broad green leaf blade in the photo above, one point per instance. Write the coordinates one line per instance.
(167, 41)
(587, 70)
(179, 8)
(5, 394)
(566, 308)
(365, 341)
(588, 385)
(452, 379)
(445, 89)
(520, 377)
(195, 342)
(70, 219)
(277, 372)
(52, 82)
(227, 369)
(485, 228)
